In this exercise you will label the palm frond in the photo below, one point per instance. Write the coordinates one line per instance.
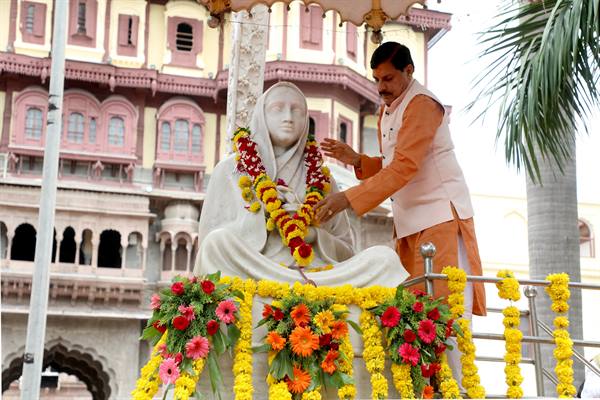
(544, 74)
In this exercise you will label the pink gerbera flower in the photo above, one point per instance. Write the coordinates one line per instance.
(155, 301)
(187, 311)
(226, 311)
(427, 331)
(197, 347)
(168, 371)
(409, 354)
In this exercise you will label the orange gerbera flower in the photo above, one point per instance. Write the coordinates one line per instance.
(300, 382)
(276, 341)
(328, 364)
(301, 315)
(339, 329)
(428, 392)
(303, 341)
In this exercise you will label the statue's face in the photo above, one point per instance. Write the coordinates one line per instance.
(285, 114)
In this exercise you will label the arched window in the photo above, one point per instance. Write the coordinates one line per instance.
(184, 37)
(23, 243)
(586, 240)
(109, 249)
(33, 123)
(86, 248)
(343, 132)
(180, 142)
(93, 127)
(76, 127)
(67, 246)
(181, 124)
(116, 132)
(196, 139)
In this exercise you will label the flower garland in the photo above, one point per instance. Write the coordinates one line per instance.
(403, 380)
(293, 229)
(148, 383)
(448, 385)
(559, 293)
(185, 385)
(508, 289)
(242, 361)
(347, 391)
(457, 280)
(373, 354)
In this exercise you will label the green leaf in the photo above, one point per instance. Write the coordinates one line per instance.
(354, 326)
(282, 365)
(215, 277)
(150, 333)
(214, 372)
(262, 348)
(234, 334)
(238, 294)
(262, 322)
(219, 342)
(346, 379)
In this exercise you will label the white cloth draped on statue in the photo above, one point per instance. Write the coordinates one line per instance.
(236, 241)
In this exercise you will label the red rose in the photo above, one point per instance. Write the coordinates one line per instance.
(278, 315)
(417, 307)
(212, 327)
(325, 340)
(158, 327)
(208, 287)
(419, 293)
(304, 250)
(409, 336)
(334, 346)
(434, 314)
(267, 311)
(390, 317)
(435, 367)
(440, 348)
(426, 370)
(180, 322)
(449, 327)
(178, 358)
(177, 288)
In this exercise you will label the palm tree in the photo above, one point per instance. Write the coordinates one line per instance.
(544, 75)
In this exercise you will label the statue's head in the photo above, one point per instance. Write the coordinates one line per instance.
(285, 115)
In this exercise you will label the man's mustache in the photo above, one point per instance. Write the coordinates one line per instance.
(384, 93)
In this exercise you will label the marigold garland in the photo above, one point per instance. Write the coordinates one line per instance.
(373, 354)
(149, 382)
(293, 229)
(457, 279)
(559, 293)
(242, 361)
(508, 289)
(185, 386)
(448, 385)
(403, 380)
(347, 391)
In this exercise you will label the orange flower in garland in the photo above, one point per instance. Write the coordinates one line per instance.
(276, 341)
(328, 364)
(428, 392)
(339, 329)
(303, 341)
(301, 315)
(294, 228)
(300, 382)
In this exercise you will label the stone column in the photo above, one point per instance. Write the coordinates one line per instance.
(188, 248)
(173, 251)
(9, 239)
(144, 251)
(95, 247)
(77, 246)
(58, 243)
(247, 67)
(124, 246)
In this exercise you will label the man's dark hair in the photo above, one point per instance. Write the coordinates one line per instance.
(396, 53)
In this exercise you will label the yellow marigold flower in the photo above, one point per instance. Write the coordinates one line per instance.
(255, 207)
(561, 322)
(244, 182)
(326, 171)
(247, 194)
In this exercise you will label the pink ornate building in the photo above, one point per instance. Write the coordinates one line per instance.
(143, 126)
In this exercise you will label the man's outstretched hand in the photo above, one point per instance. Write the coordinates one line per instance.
(340, 151)
(330, 206)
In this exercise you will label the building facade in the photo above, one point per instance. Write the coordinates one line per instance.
(143, 127)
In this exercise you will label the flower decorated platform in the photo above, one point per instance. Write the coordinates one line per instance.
(238, 339)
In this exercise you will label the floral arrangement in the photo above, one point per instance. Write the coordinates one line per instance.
(508, 289)
(258, 185)
(559, 293)
(306, 342)
(374, 354)
(193, 323)
(416, 328)
(457, 281)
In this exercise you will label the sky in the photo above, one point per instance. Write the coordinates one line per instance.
(453, 64)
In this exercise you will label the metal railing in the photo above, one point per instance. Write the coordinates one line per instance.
(530, 291)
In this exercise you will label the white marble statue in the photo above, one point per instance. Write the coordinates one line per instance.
(236, 241)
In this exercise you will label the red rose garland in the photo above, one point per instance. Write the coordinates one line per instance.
(293, 229)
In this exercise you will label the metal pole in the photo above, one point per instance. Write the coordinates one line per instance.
(530, 292)
(428, 251)
(36, 323)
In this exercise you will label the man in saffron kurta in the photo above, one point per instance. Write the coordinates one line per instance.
(418, 171)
